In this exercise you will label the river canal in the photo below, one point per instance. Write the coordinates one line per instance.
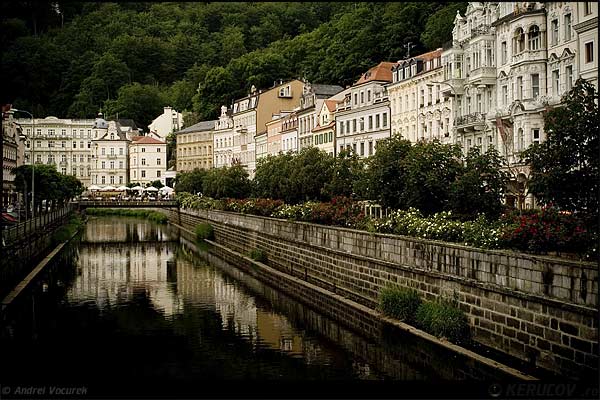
(133, 308)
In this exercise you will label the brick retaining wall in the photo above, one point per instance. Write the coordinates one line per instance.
(539, 309)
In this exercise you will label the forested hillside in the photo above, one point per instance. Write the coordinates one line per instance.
(73, 59)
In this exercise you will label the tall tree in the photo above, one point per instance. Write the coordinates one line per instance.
(480, 186)
(564, 167)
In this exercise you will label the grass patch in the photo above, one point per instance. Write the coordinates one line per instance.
(400, 303)
(65, 232)
(443, 318)
(258, 255)
(154, 216)
(204, 231)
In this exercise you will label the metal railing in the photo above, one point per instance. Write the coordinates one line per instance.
(128, 203)
(470, 118)
(26, 228)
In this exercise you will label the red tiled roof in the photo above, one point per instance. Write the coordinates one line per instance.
(331, 104)
(381, 72)
(147, 140)
(320, 128)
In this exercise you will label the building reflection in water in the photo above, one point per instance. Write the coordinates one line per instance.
(117, 260)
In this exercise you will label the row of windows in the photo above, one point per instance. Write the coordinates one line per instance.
(143, 161)
(111, 179)
(322, 138)
(111, 165)
(143, 174)
(63, 132)
(361, 148)
(193, 151)
(223, 142)
(143, 149)
(354, 125)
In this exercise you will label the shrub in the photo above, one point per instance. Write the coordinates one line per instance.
(546, 230)
(400, 303)
(443, 318)
(258, 255)
(204, 231)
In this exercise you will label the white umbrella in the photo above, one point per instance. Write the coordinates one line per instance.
(108, 188)
(166, 189)
(137, 188)
(122, 188)
(151, 189)
(94, 187)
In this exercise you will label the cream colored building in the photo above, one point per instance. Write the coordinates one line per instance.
(223, 140)
(419, 111)
(65, 143)
(324, 131)
(244, 128)
(311, 101)
(274, 145)
(169, 121)
(147, 160)
(109, 151)
(195, 146)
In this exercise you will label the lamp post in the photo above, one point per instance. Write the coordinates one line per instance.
(32, 161)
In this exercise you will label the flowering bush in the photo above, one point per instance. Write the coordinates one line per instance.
(546, 230)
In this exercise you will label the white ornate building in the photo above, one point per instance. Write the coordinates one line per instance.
(508, 63)
(109, 152)
(223, 140)
(419, 110)
(244, 125)
(311, 101)
(169, 121)
(65, 143)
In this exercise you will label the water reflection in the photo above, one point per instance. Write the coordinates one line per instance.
(133, 301)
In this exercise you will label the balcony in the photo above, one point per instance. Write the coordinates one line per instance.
(470, 123)
(483, 76)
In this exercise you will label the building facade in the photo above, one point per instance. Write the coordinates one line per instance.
(65, 143)
(194, 146)
(509, 62)
(147, 160)
(274, 144)
(169, 121)
(324, 131)
(12, 148)
(289, 133)
(311, 102)
(109, 152)
(419, 110)
(223, 140)
(363, 117)
(244, 130)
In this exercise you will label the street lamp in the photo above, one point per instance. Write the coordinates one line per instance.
(32, 160)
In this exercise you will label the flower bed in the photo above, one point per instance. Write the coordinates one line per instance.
(538, 231)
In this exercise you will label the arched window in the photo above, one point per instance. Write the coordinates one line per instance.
(534, 38)
(519, 41)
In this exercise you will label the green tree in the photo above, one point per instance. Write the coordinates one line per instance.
(385, 177)
(157, 184)
(438, 29)
(480, 186)
(142, 103)
(347, 170)
(272, 178)
(430, 169)
(311, 172)
(190, 181)
(564, 167)
(227, 182)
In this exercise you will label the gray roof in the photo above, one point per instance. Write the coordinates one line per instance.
(328, 90)
(199, 127)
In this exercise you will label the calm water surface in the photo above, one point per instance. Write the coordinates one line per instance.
(132, 304)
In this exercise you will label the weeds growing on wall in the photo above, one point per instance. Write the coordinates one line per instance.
(400, 303)
(204, 231)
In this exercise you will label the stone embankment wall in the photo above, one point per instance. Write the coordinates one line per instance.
(539, 309)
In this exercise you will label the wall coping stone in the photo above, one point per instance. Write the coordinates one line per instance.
(579, 308)
(503, 252)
